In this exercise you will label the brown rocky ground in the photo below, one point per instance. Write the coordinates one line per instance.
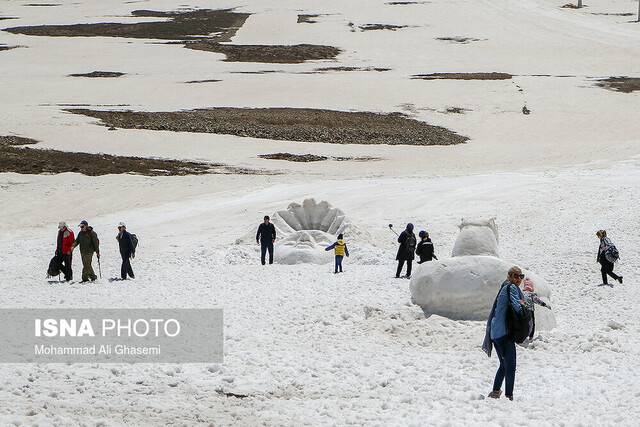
(98, 74)
(291, 124)
(463, 76)
(304, 158)
(15, 157)
(276, 54)
(180, 26)
(620, 84)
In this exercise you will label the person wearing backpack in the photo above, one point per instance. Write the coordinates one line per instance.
(89, 244)
(406, 250)
(425, 248)
(503, 331)
(607, 256)
(127, 250)
(340, 250)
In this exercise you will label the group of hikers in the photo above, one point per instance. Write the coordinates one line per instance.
(512, 317)
(89, 244)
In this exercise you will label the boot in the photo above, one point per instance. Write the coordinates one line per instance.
(620, 279)
(495, 394)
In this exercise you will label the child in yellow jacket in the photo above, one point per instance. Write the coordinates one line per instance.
(340, 250)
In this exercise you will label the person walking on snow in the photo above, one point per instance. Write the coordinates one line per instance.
(88, 241)
(406, 250)
(64, 249)
(340, 250)
(266, 236)
(497, 332)
(607, 255)
(127, 251)
(425, 249)
(530, 300)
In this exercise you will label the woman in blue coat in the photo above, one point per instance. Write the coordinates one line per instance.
(497, 335)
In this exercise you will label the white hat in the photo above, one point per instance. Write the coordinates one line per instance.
(121, 224)
(62, 224)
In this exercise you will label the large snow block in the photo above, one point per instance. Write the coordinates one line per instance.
(464, 288)
(478, 237)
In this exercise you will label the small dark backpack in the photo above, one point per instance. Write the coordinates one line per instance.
(134, 241)
(517, 323)
(411, 243)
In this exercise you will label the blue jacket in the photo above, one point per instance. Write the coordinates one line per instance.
(497, 321)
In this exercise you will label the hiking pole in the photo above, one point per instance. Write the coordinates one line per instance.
(99, 268)
(394, 231)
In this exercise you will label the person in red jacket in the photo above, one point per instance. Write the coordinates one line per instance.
(64, 249)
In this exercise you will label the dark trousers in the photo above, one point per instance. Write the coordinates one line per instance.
(126, 267)
(264, 247)
(401, 264)
(506, 351)
(66, 267)
(607, 269)
(339, 259)
(87, 269)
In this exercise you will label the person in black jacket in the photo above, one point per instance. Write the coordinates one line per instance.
(127, 251)
(266, 235)
(406, 250)
(425, 249)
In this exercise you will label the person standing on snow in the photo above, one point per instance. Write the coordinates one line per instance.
(127, 251)
(64, 249)
(88, 241)
(266, 236)
(340, 250)
(425, 249)
(606, 258)
(406, 250)
(497, 334)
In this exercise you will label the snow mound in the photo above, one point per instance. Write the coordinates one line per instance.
(477, 238)
(464, 288)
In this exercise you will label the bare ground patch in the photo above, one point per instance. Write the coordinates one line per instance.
(455, 110)
(405, 3)
(204, 81)
(463, 76)
(99, 74)
(620, 84)
(308, 19)
(42, 4)
(458, 39)
(291, 124)
(219, 25)
(276, 54)
(377, 27)
(341, 69)
(305, 158)
(16, 157)
(4, 47)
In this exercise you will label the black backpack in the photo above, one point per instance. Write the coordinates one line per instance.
(411, 243)
(517, 323)
(134, 241)
(55, 266)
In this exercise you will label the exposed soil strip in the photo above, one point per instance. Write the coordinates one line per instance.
(5, 47)
(620, 84)
(307, 19)
(305, 158)
(204, 81)
(43, 4)
(461, 40)
(7, 17)
(276, 54)
(455, 110)
(614, 14)
(376, 27)
(96, 74)
(463, 76)
(400, 3)
(218, 25)
(14, 157)
(338, 69)
(292, 124)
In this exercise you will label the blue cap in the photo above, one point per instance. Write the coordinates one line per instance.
(84, 222)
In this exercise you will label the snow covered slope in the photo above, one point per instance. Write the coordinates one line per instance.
(305, 346)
